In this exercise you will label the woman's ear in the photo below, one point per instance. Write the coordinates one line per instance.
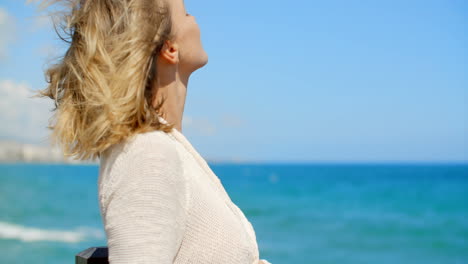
(170, 52)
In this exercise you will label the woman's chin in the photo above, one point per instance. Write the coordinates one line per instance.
(203, 60)
(195, 65)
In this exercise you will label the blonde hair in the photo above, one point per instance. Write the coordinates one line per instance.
(102, 86)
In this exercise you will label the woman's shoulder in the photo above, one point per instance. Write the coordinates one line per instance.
(141, 155)
(152, 141)
(144, 163)
(148, 146)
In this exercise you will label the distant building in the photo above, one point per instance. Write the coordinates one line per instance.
(11, 151)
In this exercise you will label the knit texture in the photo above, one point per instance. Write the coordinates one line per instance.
(161, 203)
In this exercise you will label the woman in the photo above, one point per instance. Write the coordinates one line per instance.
(119, 93)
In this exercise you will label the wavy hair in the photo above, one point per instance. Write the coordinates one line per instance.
(102, 85)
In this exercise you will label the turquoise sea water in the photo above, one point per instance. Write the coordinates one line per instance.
(344, 214)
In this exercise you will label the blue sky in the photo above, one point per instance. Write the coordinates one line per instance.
(296, 81)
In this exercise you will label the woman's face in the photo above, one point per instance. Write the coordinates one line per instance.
(187, 36)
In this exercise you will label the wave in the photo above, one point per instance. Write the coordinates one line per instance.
(32, 234)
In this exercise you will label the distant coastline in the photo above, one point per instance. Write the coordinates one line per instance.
(17, 152)
(12, 152)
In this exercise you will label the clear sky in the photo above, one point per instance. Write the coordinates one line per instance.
(292, 81)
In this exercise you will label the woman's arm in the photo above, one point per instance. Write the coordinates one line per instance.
(145, 217)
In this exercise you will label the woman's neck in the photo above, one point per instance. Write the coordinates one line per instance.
(174, 90)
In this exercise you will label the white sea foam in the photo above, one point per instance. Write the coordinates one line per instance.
(32, 234)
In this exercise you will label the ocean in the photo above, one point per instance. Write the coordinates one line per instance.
(301, 213)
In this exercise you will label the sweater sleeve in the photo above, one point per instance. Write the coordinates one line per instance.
(146, 211)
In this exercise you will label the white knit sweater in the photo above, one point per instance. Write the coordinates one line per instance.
(161, 203)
